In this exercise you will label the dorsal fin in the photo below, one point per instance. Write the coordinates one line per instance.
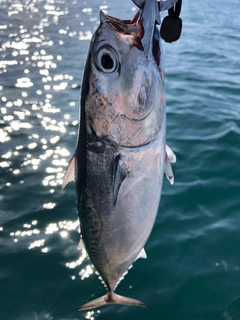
(70, 173)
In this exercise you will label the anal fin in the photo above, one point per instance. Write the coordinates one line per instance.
(142, 254)
(81, 245)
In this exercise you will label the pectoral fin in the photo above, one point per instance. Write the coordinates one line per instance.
(119, 174)
(70, 173)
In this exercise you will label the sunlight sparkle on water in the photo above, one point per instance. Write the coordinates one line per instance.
(7, 155)
(64, 234)
(24, 233)
(61, 86)
(37, 243)
(86, 272)
(85, 36)
(54, 139)
(26, 225)
(87, 10)
(24, 83)
(51, 228)
(32, 145)
(4, 136)
(90, 314)
(5, 164)
(49, 205)
(62, 225)
(29, 230)
(34, 123)
(5, 63)
(78, 262)
(8, 118)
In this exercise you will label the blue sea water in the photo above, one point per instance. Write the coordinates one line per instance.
(193, 267)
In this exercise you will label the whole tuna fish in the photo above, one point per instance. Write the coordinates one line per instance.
(120, 157)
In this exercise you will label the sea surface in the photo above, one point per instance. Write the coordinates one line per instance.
(193, 267)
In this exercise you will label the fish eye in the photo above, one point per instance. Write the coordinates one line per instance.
(107, 60)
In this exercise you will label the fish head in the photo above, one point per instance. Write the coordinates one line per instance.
(124, 103)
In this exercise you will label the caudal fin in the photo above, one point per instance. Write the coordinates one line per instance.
(111, 298)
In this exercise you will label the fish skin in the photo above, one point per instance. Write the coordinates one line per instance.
(120, 155)
(115, 230)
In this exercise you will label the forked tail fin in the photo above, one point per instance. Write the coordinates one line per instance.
(111, 298)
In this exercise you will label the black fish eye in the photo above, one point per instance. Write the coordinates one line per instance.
(107, 60)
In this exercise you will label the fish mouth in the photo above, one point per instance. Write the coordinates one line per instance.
(132, 27)
(105, 18)
(142, 27)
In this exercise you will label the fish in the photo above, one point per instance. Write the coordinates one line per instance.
(121, 151)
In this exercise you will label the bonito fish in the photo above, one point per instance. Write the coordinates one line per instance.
(121, 153)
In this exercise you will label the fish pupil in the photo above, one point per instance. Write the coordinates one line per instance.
(107, 61)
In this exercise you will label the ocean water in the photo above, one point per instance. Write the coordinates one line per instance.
(193, 267)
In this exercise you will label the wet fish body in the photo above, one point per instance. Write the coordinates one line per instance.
(120, 156)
